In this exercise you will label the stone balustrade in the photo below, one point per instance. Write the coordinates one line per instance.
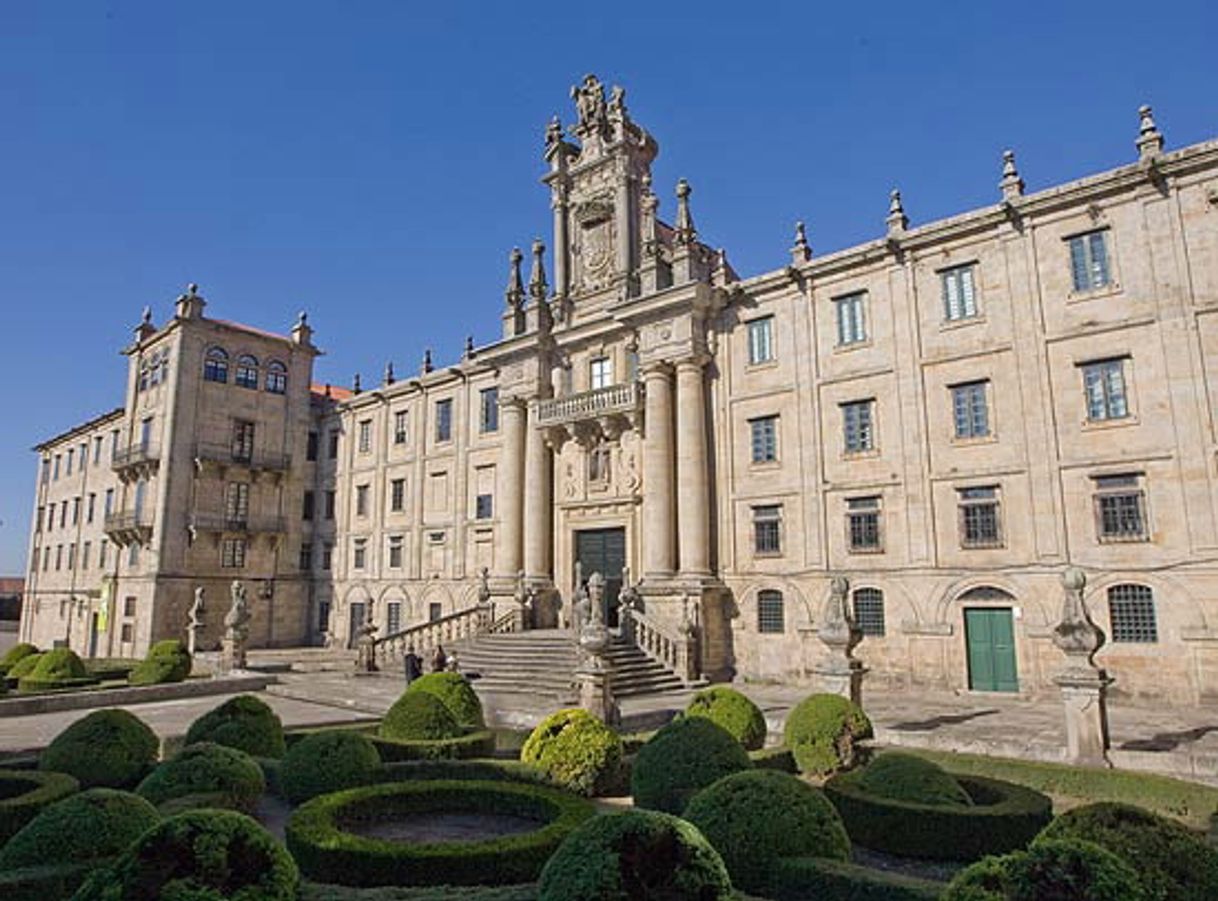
(616, 399)
(668, 647)
(425, 636)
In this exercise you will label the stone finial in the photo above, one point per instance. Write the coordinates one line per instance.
(469, 352)
(1150, 139)
(515, 285)
(427, 364)
(189, 304)
(1011, 184)
(302, 332)
(801, 251)
(356, 388)
(553, 133)
(685, 231)
(897, 220)
(537, 277)
(1076, 635)
(146, 318)
(389, 378)
(145, 327)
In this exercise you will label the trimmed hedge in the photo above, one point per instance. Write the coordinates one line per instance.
(57, 669)
(418, 716)
(801, 878)
(106, 749)
(24, 793)
(43, 883)
(15, 653)
(904, 777)
(823, 732)
(733, 711)
(199, 855)
(579, 752)
(756, 817)
(245, 723)
(327, 853)
(110, 669)
(1049, 870)
(23, 667)
(779, 758)
(167, 661)
(206, 775)
(463, 747)
(313, 891)
(635, 855)
(326, 762)
(454, 692)
(684, 757)
(1172, 861)
(84, 828)
(468, 770)
(1004, 817)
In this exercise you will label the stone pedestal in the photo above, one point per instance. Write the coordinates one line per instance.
(593, 677)
(1084, 697)
(839, 673)
(847, 682)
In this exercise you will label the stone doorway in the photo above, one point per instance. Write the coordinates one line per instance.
(989, 635)
(603, 551)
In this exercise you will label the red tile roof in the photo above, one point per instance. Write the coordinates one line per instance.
(334, 392)
(12, 585)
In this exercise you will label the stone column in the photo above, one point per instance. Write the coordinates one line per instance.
(538, 504)
(658, 463)
(693, 517)
(509, 478)
(1084, 685)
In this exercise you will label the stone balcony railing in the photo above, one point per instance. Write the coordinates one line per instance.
(228, 455)
(135, 460)
(128, 526)
(616, 399)
(219, 522)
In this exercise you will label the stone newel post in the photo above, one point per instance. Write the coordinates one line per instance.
(840, 673)
(1084, 685)
(594, 672)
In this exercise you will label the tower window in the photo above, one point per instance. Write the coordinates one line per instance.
(247, 371)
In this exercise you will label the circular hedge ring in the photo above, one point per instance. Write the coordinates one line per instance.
(86, 827)
(108, 748)
(455, 692)
(1049, 869)
(23, 793)
(734, 712)
(320, 838)
(577, 750)
(1004, 817)
(245, 723)
(907, 777)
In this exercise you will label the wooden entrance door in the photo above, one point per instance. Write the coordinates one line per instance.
(603, 551)
(989, 633)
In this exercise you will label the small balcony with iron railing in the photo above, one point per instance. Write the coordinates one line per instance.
(224, 455)
(128, 527)
(613, 408)
(135, 461)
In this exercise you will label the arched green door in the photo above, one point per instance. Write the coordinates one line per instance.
(989, 633)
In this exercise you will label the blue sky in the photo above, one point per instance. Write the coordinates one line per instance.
(373, 163)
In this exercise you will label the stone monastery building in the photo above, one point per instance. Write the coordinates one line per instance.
(947, 417)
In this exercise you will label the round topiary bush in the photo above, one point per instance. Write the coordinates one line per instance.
(245, 723)
(419, 716)
(108, 749)
(56, 669)
(1172, 861)
(906, 777)
(454, 690)
(1048, 871)
(730, 709)
(823, 732)
(199, 855)
(15, 653)
(754, 818)
(684, 757)
(24, 793)
(167, 661)
(24, 666)
(576, 749)
(205, 775)
(635, 855)
(89, 826)
(327, 762)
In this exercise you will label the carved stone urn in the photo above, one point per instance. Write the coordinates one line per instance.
(1076, 635)
(1084, 685)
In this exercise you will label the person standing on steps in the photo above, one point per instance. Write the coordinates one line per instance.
(414, 665)
(439, 660)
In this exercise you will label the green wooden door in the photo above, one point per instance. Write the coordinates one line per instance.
(989, 633)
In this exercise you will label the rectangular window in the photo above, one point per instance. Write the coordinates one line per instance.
(1089, 261)
(306, 557)
(399, 427)
(146, 433)
(232, 554)
(851, 326)
(361, 500)
(38, 519)
(71, 454)
(767, 529)
(85, 550)
(332, 444)
(771, 616)
(102, 553)
(1120, 508)
(959, 294)
(761, 340)
(330, 504)
(1104, 388)
(46, 471)
(980, 517)
(395, 551)
(397, 495)
(72, 555)
(489, 418)
(51, 518)
(858, 426)
(970, 411)
(133, 553)
(97, 447)
(113, 444)
(1131, 609)
(327, 556)
(764, 439)
(864, 534)
(365, 436)
(600, 373)
(599, 465)
(58, 460)
(869, 611)
(46, 558)
(128, 633)
(108, 506)
(483, 506)
(243, 441)
(393, 617)
(237, 506)
(308, 507)
(444, 420)
(63, 513)
(311, 447)
(129, 605)
(90, 509)
(84, 454)
(360, 554)
(75, 511)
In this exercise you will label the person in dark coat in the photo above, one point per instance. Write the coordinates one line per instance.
(414, 665)
(439, 660)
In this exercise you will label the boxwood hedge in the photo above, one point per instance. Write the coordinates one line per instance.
(326, 762)
(23, 793)
(823, 731)
(245, 722)
(44, 882)
(419, 716)
(57, 669)
(107, 748)
(801, 878)
(167, 661)
(579, 751)
(733, 711)
(480, 743)
(684, 757)
(205, 775)
(1004, 817)
(23, 667)
(475, 770)
(15, 653)
(1049, 870)
(83, 828)
(327, 852)
(454, 692)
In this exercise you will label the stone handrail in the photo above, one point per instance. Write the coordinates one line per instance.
(668, 647)
(589, 404)
(504, 624)
(425, 636)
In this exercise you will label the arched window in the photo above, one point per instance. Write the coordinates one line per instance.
(869, 611)
(215, 365)
(276, 377)
(247, 371)
(1131, 609)
(771, 615)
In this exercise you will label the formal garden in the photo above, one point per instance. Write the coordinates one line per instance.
(25, 670)
(428, 803)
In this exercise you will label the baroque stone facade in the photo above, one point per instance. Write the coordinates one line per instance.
(947, 417)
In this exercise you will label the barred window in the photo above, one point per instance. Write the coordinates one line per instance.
(243, 441)
(276, 378)
(247, 371)
(761, 340)
(393, 617)
(237, 506)
(771, 616)
(365, 436)
(851, 327)
(767, 529)
(1120, 508)
(1089, 261)
(858, 426)
(980, 517)
(959, 294)
(869, 611)
(863, 530)
(970, 410)
(764, 437)
(232, 553)
(1104, 389)
(1131, 609)
(215, 365)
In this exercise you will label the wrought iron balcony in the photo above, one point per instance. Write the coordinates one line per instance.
(219, 522)
(616, 400)
(230, 455)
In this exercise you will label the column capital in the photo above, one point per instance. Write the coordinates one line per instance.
(694, 361)
(514, 402)
(656, 368)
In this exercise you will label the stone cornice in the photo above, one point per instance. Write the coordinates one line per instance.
(115, 414)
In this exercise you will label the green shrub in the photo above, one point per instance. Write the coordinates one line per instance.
(803, 878)
(684, 757)
(1172, 861)
(455, 692)
(326, 762)
(167, 661)
(85, 827)
(635, 855)
(245, 723)
(904, 777)
(578, 751)
(1049, 871)
(106, 749)
(202, 855)
(779, 758)
(15, 653)
(470, 770)
(1004, 817)
(24, 666)
(480, 743)
(56, 669)
(730, 709)
(43, 883)
(755, 817)
(109, 669)
(419, 716)
(312, 891)
(206, 774)
(24, 793)
(317, 837)
(823, 732)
